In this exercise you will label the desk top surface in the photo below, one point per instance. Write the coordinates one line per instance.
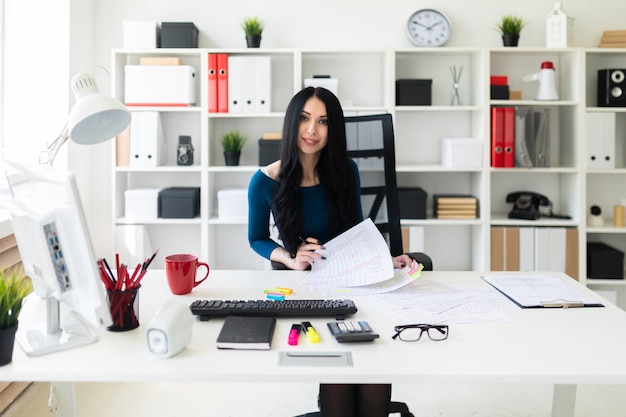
(554, 346)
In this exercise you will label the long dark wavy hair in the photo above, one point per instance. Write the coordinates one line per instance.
(333, 169)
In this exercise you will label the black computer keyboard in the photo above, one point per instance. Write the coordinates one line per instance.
(205, 309)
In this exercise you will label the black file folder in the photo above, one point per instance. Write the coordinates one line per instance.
(539, 291)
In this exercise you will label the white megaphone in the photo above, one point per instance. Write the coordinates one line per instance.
(547, 87)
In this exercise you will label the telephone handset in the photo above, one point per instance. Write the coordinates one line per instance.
(526, 206)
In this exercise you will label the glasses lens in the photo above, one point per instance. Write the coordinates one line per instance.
(438, 332)
(411, 334)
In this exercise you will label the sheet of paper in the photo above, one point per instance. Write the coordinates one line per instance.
(430, 301)
(400, 278)
(359, 256)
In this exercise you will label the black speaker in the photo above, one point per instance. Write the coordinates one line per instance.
(612, 88)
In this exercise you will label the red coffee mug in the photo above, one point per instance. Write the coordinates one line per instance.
(181, 271)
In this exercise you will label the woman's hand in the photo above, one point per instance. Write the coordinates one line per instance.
(306, 254)
(401, 261)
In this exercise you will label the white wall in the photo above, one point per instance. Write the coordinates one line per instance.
(324, 24)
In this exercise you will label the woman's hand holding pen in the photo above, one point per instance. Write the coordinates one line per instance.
(307, 254)
(401, 261)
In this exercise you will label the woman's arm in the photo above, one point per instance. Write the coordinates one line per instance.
(259, 208)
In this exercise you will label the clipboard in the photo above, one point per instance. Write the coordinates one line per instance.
(539, 291)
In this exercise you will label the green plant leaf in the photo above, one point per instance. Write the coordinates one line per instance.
(233, 141)
(252, 26)
(511, 25)
(13, 289)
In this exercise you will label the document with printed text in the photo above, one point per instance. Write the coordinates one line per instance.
(358, 263)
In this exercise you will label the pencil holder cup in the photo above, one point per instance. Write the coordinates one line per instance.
(124, 306)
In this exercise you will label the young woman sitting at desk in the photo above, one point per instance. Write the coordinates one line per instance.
(313, 191)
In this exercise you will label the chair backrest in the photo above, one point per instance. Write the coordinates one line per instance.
(371, 146)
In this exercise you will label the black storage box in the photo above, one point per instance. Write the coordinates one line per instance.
(269, 151)
(179, 35)
(412, 203)
(499, 92)
(604, 261)
(179, 203)
(413, 92)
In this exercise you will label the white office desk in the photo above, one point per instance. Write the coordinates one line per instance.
(563, 347)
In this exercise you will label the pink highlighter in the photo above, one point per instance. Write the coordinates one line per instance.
(294, 333)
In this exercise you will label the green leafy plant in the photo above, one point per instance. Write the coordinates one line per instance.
(233, 141)
(13, 289)
(252, 26)
(511, 25)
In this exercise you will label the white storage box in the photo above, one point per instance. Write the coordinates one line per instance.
(462, 152)
(141, 34)
(141, 204)
(232, 204)
(331, 84)
(159, 85)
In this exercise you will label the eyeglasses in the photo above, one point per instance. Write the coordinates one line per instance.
(413, 332)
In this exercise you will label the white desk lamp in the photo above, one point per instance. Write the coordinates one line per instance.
(95, 118)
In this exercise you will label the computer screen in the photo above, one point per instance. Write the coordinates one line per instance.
(57, 254)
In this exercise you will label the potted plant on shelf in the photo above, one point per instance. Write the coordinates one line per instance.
(232, 142)
(253, 28)
(14, 288)
(510, 27)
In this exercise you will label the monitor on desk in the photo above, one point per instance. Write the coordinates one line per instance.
(56, 251)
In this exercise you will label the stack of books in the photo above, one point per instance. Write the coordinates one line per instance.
(455, 206)
(613, 39)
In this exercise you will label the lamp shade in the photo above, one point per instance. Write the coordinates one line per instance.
(95, 117)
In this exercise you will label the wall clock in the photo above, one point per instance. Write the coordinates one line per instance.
(429, 27)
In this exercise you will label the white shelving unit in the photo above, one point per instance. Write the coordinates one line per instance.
(606, 187)
(367, 85)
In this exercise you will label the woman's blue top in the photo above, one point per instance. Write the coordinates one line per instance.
(315, 216)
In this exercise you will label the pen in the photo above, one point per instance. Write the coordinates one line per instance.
(310, 332)
(147, 263)
(294, 333)
(306, 242)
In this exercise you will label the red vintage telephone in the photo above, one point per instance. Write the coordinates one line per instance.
(526, 206)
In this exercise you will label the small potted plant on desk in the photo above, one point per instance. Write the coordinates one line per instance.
(510, 27)
(14, 288)
(253, 28)
(232, 142)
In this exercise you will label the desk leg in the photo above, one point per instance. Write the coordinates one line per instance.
(564, 401)
(65, 399)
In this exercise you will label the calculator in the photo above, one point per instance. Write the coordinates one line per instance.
(352, 331)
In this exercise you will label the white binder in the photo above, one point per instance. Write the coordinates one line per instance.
(235, 73)
(600, 137)
(248, 84)
(526, 248)
(263, 99)
(146, 139)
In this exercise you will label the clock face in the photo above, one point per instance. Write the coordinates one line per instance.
(428, 27)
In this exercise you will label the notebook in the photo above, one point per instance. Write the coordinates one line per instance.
(249, 332)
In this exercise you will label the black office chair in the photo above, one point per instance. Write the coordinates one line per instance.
(371, 146)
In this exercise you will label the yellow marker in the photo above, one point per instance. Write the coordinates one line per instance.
(310, 332)
(284, 290)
